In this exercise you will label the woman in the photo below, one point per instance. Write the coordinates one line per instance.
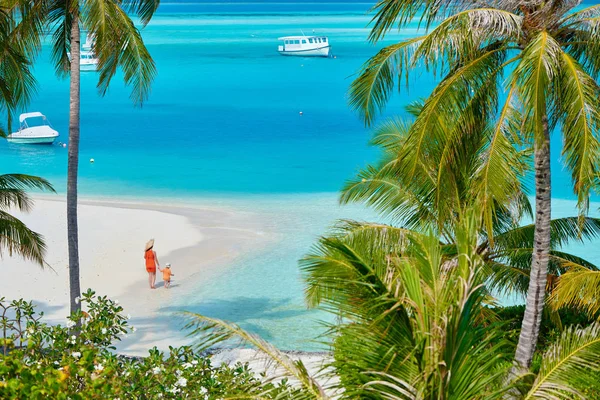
(151, 263)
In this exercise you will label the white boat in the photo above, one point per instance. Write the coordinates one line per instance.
(88, 61)
(305, 46)
(34, 129)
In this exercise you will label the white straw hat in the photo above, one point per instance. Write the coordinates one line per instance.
(150, 244)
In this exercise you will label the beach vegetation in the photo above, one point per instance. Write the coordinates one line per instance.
(15, 237)
(42, 361)
(533, 65)
(418, 322)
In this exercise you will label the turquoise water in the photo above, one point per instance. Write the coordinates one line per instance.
(223, 124)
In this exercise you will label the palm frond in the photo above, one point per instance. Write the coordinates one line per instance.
(13, 190)
(579, 288)
(578, 105)
(144, 9)
(370, 92)
(119, 44)
(17, 239)
(537, 68)
(563, 231)
(575, 358)
(209, 331)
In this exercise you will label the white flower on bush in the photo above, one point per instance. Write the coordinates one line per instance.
(203, 390)
(76, 354)
(186, 365)
(70, 324)
(181, 382)
(195, 362)
(175, 390)
(156, 370)
(98, 367)
(104, 331)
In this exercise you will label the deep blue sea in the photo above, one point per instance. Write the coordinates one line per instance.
(223, 124)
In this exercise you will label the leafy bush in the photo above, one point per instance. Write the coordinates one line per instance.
(78, 361)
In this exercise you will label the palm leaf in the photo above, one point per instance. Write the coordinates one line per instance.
(578, 288)
(575, 358)
(209, 331)
(371, 90)
(578, 103)
(17, 239)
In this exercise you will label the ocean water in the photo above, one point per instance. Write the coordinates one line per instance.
(223, 125)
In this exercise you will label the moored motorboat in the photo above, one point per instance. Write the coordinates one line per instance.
(34, 129)
(305, 46)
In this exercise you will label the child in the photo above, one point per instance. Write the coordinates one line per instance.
(167, 275)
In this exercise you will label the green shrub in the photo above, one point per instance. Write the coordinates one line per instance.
(78, 362)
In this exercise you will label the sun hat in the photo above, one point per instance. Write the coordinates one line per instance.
(167, 264)
(150, 244)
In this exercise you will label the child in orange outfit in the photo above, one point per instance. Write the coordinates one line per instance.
(167, 274)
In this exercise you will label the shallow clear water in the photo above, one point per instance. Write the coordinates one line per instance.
(223, 125)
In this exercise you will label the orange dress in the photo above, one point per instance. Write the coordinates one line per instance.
(150, 261)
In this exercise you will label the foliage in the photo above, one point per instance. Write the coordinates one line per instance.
(51, 361)
(414, 322)
(15, 236)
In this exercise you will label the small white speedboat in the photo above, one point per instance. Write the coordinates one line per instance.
(88, 61)
(305, 46)
(34, 129)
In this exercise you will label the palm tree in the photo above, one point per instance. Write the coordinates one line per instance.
(414, 325)
(15, 237)
(551, 56)
(455, 177)
(118, 44)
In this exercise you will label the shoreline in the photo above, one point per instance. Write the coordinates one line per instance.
(200, 243)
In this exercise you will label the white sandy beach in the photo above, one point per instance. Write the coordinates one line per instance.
(196, 241)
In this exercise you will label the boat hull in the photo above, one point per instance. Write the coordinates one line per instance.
(88, 67)
(320, 52)
(31, 140)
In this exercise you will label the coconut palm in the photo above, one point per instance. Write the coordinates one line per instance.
(414, 325)
(456, 178)
(15, 237)
(118, 45)
(551, 55)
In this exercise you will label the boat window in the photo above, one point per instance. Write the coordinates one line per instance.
(33, 122)
(310, 40)
(324, 40)
(296, 41)
(303, 41)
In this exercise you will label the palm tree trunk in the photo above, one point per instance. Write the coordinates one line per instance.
(73, 163)
(541, 248)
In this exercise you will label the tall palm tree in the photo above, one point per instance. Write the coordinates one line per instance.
(551, 55)
(15, 237)
(118, 44)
